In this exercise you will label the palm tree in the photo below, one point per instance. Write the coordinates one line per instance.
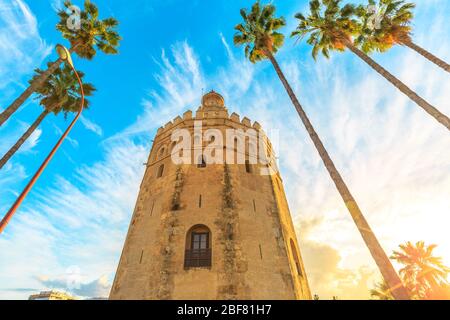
(94, 34)
(381, 291)
(331, 27)
(423, 273)
(60, 93)
(393, 28)
(259, 35)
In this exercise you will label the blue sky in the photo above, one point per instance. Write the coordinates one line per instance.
(394, 157)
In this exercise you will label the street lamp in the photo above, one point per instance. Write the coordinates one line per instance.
(64, 54)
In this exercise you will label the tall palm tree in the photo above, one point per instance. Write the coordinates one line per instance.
(423, 272)
(331, 27)
(258, 33)
(94, 34)
(393, 28)
(59, 93)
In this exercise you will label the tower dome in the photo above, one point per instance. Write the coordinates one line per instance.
(213, 100)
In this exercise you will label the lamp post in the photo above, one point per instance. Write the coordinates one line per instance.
(64, 54)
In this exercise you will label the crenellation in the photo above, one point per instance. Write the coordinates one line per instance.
(168, 125)
(199, 114)
(256, 125)
(235, 117)
(246, 122)
(187, 115)
(177, 120)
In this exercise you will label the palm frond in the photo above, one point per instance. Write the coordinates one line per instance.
(61, 91)
(258, 31)
(93, 35)
(328, 24)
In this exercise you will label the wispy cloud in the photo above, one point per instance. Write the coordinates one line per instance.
(180, 82)
(57, 5)
(59, 133)
(10, 134)
(91, 126)
(21, 46)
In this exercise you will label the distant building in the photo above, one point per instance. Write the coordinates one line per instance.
(51, 295)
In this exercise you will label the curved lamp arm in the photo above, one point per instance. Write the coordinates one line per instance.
(64, 54)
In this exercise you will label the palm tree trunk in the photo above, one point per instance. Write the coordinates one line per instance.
(28, 92)
(428, 55)
(74, 46)
(435, 113)
(380, 257)
(23, 138)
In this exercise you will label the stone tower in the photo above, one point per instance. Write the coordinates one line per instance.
(204, 230)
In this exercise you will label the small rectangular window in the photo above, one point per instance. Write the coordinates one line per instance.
(260, 252)
(299, 270)
(153, 206)
(201, 162)
(200, 201)
(248, 167)
(160, 172)
(254, 205)
(140, 259)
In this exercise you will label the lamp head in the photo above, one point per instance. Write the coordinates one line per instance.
(64, 54)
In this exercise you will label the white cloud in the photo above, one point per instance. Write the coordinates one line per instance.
(10, 134)
(91, 126)
(32, 141)
(59, 133)
(181, 82)
(21, 46)
(10, 176)
(57, 5)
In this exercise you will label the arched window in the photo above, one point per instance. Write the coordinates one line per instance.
(160, 171)
(201, 163)
(198, 247)
(160, 152)
(296, 259)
